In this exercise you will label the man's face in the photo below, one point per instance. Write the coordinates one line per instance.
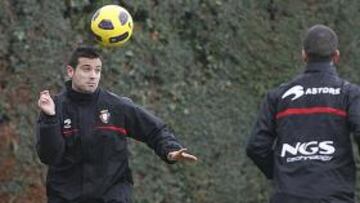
(86, 76)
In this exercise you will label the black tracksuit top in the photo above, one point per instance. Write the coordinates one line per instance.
(85, 144)
(302, 139)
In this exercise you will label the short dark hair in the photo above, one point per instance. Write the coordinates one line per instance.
(320, 42)
(83, 52)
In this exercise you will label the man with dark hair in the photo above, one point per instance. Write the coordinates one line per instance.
(81, 136)
(301, 139)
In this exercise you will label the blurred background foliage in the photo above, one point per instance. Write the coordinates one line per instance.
(201, 65)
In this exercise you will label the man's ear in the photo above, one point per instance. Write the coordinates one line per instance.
(304, 55)
(336, 56)
(70, 71)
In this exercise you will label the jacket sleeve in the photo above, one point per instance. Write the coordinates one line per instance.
(353, 112)
(260, 144)
(50, 144)
(145, 127)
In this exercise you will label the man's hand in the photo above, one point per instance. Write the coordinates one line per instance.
(46, 103)
(181, 155)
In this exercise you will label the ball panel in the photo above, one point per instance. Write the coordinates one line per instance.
(106, 24)
(119, 38)
(97, 37)
(123, 17)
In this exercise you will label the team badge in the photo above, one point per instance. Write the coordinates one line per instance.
(104, 116)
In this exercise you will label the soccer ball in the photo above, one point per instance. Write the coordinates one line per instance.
(112, 25)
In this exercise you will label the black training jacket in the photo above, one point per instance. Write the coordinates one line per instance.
(85, 145)
(302, 139)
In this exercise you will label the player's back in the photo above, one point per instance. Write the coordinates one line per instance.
(313, 150)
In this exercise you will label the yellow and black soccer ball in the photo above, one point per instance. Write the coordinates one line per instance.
(112, 25)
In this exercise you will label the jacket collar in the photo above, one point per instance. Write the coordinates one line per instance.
(325, 67)
(78, 96)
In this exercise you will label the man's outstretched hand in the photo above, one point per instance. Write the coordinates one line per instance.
(46, 103)
(181, 155)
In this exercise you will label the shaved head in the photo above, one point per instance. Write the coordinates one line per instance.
(320, 42)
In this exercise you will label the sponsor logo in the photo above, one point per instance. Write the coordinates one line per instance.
(104, 116)
(298, 91)
(313, 150)
(67, 123)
